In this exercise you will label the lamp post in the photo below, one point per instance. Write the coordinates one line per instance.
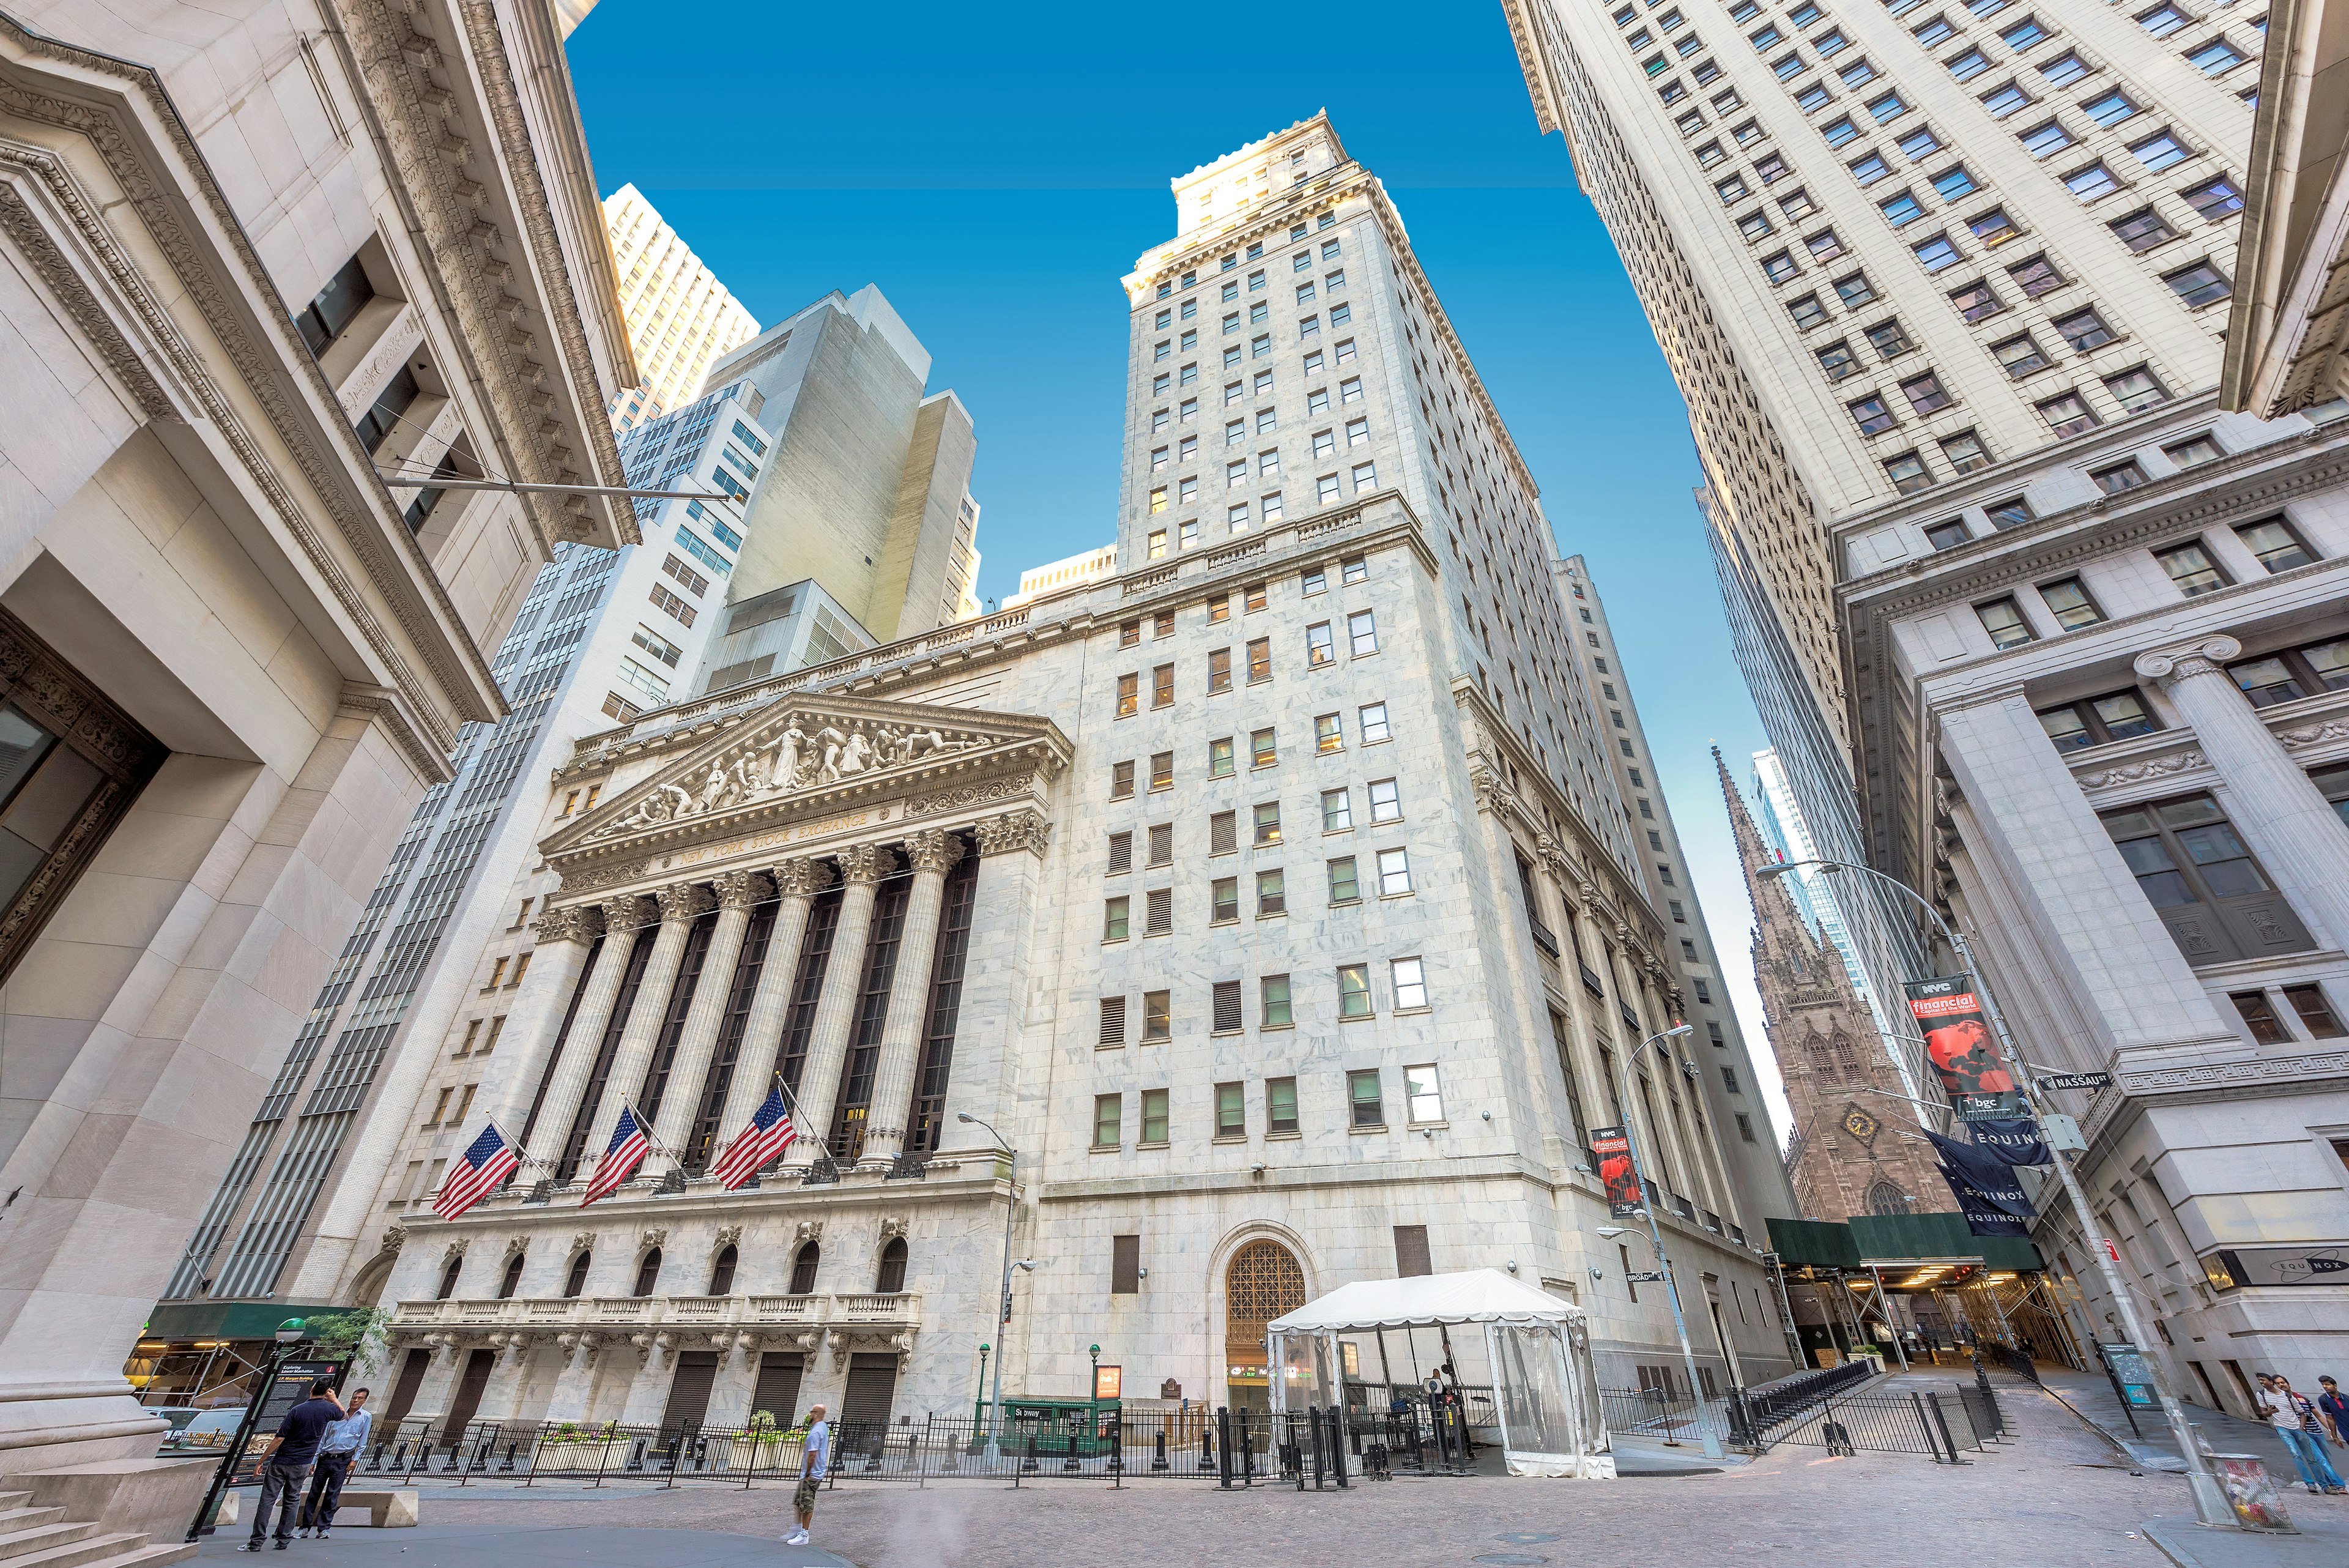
(1003, 1302)
(979, 1395)
(2210, 1505)
(1092, 1395)
(1655, 1233)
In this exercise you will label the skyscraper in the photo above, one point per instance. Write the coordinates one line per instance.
(1269, 894)
(680, 317)
(1779, 819)
(2035, 627)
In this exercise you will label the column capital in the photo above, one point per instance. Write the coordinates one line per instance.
(625, 914)
(934, 849)
(802, 878)
(740, 890)
(1014, 831)
(682, 900)
(578, 923)
(2166, 666)
(865, 865)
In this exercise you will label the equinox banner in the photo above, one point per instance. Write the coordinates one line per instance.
(1958, 1040)
(1616, 1173)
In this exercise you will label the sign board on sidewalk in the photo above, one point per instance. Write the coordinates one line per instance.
(2127, 1363)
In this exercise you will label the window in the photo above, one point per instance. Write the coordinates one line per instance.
(1872, 416)
(2195, 451)
(1886, 109)
(2185, 853)
(2110, 110)
(2035, 277)
(1329, 734)
(1121, 781)
(1423, 1097)
(334, 308)
(1868, 171)
(2159, 152)
(2216, 58)
(2294, 673)
(1933, 30)
(1838, 361)
(2003, 620)
(2092, 182)
(1129, 695)
(2120, 476)
(1262, 751)
(2019, 35)
(1409, 976)
(1260, 658)
(1731, 190)
(2136, 389)
(1779, 267)
(1920, 143)
(1337, 810)
(1107, 1110)
(2316, 1014)
(2189, 565)
(1114, 916)
(1162, 770)
(1344, 886)
(1838, 131)
(2046, 140)
(1936, 253)
(2004, 100)
(1157, 1016)
(1796, 203)
(1113, 1022)
(1370, 724)
(1925, 393)
(1319, 647)
(1350, 389)
(2092, 722)
(1394, 873)
(1807, 312)
(2215, 200)
(1993, 228)
(2067, 600)
(1362, 633)
(1268, 821)
(2063, 70)
(1969, 65)
(1976, 301)
(2067, 415)
(2199, 285)
(1386, 801)
(1908, 475)
(2162, 20)
(1271, 894)
(1948, 535)
(1366, 477)
(2142, 229)
(1162, 686)
(2275, 542)
(1953, 183)
(1901, 209)
(1219, 758)
(1362, 1097)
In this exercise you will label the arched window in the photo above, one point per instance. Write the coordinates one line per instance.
(449, 1277)
(648, 1273)
(803, 1270)
(1883, 1198)
(513, 1281)
(893, 1268)
(1263, 1281)
(721, 1272)
(576, 1281)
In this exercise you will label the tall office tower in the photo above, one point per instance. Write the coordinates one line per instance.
(1725, 1069)
(1066, 573)
(1222, 888)
(2035, 627)
(680, 317)
(396, 1044)
(1853, 1147)
(260, 282)
(872, 489)
(1786, 836)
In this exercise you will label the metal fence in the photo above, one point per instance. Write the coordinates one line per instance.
(1918, 1421)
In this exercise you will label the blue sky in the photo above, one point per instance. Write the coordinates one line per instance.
(996, 181)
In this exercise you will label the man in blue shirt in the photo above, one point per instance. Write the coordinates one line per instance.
(286, 1464)
(815, 1455)
(336, 1452)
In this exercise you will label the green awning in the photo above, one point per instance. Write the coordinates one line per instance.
(227, 1320)
(1896, 1239)
(1814, 1243)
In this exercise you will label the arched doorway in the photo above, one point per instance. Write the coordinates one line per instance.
(1262, 1281)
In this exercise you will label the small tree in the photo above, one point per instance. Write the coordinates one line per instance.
(358, 1335)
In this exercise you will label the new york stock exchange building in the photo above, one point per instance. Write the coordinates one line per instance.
(1205, 887)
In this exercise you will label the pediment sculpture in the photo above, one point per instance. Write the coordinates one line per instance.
(809, 753)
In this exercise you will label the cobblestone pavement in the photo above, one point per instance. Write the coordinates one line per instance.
(2058, 1494)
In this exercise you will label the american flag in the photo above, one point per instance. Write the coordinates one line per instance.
(489, 1160)
(769, 1133)
(621, 1157)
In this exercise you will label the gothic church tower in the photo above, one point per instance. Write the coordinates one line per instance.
(1853, 1151)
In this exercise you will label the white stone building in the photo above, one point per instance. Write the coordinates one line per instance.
(1211, 885)
(249, 256)
(2034, 625)
(680, 317)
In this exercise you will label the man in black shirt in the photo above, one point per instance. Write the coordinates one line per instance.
(286, 1465)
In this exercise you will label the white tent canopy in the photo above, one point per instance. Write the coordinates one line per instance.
(1544, 1385)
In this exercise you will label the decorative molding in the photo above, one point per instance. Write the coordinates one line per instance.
(933, 851)
(394, 1238)
(456, 1249)
(654, 1236)
(1012, 832)
(728, 1236)
(581, 923)
(381, 705)
(2203, 656)
(2298, 1070)
(625, 914)
(892, 1227)
(89, 317)
(584, 1242)
(595, 878)
(2148, 768)
(809, 1230)
(740, 890)
(970, 795)
(684, 901)
(2317, 733)
(802, 878)
(865, 865)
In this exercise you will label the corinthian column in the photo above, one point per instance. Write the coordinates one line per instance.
(933, 855)
(681, 903)
(861, 866)
(737, 891)
(2284, 817)
(560, 1107)
(797, 882)
(564, 937)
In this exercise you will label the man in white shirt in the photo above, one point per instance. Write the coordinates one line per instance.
(2291, 1414)
(337, 1451)
(815, 1458)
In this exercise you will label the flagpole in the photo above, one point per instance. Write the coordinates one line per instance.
(801, 1124)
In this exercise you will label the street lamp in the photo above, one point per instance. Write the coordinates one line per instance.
(2210, 1505)
(1655, 1234)
(1003, 1306)
(1093, 1396)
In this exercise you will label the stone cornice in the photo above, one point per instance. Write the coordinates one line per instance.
(159, 168)
(1527, 42)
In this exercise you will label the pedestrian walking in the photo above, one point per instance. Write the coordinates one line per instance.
(815, 1456)
(285, 1463)
(2294, 1417)
(337, 1451)
(2335, 1408)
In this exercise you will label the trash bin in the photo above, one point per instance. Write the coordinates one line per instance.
(2251, 1493)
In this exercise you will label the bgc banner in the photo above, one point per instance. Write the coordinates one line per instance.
(1958, 1040)
(1616, 1172)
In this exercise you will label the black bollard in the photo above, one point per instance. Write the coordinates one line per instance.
(1337, 1446)
(1158, 1451)
(1223, 1455)
(1247, 1453)
(1029, 1463)
(1313, 1430)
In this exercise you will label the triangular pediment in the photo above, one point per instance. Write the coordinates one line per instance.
(810, 756)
